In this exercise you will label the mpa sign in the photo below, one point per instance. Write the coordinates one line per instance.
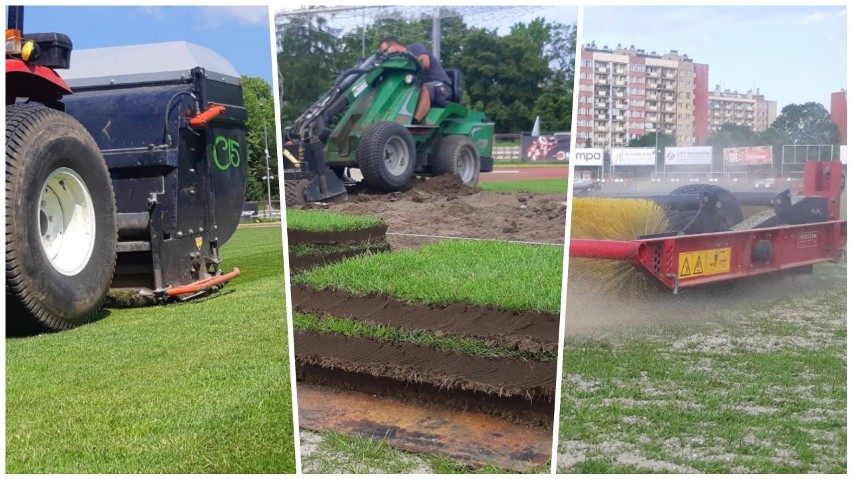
(588, 157)
(689, 155)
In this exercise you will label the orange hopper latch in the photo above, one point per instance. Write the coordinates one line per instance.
(202, 118)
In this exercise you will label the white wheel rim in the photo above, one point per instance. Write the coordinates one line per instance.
(396, 156)
(467, 165)
(66, 220)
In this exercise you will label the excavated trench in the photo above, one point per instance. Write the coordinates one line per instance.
(514, 389)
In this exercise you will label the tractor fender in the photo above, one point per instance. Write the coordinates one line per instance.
(24, 80)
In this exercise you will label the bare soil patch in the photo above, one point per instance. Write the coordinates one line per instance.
(298, 237)
(442, 206)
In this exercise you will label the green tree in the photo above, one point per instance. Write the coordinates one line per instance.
(362, 41)
(774, 138)
(308, 63)
(730, 135)
(807, 124)
(648, 140)
(259, 103)
(505, 76)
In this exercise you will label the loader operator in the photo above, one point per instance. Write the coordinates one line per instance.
(436, 82)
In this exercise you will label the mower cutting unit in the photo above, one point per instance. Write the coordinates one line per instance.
(134, 181)
(712, 243)
(364, 121)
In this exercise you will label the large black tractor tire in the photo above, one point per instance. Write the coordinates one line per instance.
(458, 155)
(60, 222)
(728, 215)
(386, 156)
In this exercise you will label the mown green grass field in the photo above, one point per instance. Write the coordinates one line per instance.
(545, 185)
(754, 387)
(329, 221)
(201, 387)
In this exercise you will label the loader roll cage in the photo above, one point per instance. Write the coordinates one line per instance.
(314, 121)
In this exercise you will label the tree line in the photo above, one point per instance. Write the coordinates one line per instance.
(803, 124)
(512, 78)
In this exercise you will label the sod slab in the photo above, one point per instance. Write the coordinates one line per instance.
(528, 331)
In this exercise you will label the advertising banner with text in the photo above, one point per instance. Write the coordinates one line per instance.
(749, 155)
(633, 157)
(546, 147)
(689, 155)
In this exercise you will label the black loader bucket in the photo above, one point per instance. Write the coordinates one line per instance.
(170, 122)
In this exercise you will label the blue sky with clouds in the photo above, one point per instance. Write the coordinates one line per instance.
(240, 34)
(793, 54)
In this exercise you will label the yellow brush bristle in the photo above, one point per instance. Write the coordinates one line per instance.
(617, 220)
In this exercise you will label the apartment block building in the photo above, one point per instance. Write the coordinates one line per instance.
(838, 112)
(750, 109)
(642, 92)
(625, 93)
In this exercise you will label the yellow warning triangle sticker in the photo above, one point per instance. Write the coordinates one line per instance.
(685, 271)
(698, 268)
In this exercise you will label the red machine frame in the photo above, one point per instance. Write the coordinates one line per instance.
(691, 260)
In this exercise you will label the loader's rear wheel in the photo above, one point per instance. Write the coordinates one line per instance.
(386, 155)
(60, 222)
(729, 212)
(458, 155)
(294, 192)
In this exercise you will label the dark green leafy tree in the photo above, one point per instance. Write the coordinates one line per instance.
(512, 78)
(257, 96)
(648, 140)
(730, 135)
(774, 138)
(504, 76)
(308, 63)
(807, 124)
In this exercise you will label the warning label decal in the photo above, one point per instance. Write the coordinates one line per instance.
(703, 263)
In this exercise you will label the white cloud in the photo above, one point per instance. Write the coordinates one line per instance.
(156, 12)
(824, 16)
(215, 17)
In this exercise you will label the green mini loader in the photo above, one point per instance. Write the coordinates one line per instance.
(364, 121)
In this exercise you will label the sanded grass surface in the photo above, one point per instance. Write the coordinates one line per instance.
(201, 387)
(309, 220)
(487, 273)
(444, 342)
(544, 185)
(759, 389)
(331, 453)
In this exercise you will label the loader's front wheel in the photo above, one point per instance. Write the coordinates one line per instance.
(294, 192)
(457, 155)
(60, 222)
(386, 155)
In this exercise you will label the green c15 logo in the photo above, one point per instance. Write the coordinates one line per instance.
(230, 150)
